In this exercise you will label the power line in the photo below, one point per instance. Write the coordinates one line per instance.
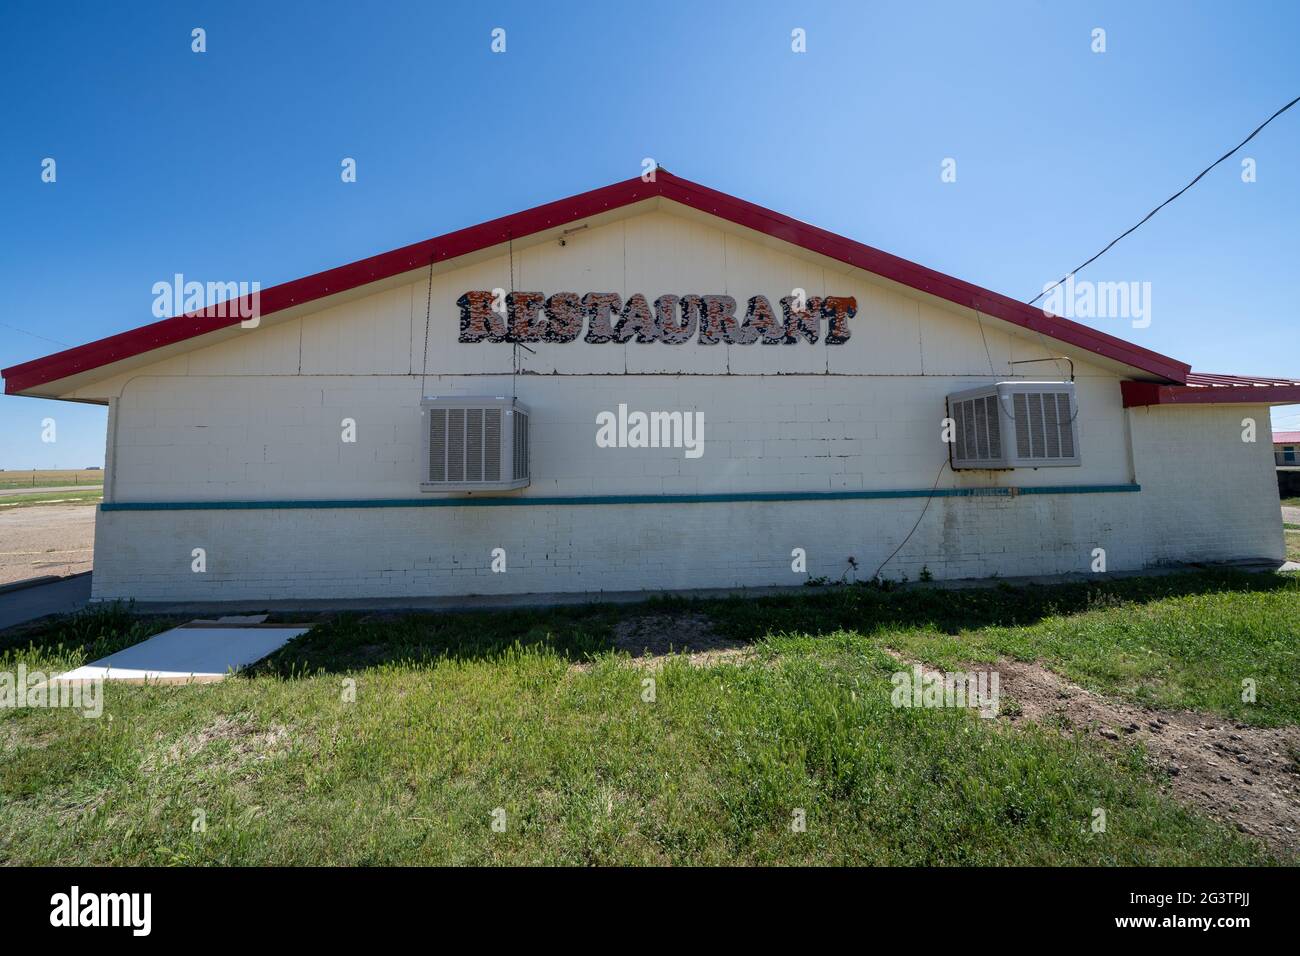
(1198, 178)
(43, 338)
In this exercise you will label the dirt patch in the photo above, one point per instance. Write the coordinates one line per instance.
(1247, 777)
(244, 741)
(650, 638)
(13, 734)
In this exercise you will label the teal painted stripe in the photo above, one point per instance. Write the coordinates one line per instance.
(490, 502)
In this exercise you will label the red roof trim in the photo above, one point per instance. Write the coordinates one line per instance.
(1286, 438)
(1210, 379)
(125, 345)
(1236, 390)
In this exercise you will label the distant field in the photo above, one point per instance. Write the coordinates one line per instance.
(52, 478)
(91, 496)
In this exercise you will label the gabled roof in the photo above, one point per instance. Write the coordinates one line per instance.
(28, 377)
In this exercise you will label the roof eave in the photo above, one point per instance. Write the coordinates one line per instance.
(1142, 394)
(28, 378)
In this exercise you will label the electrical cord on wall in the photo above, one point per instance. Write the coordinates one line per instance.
(933, 489)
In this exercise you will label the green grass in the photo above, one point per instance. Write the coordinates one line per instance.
(1292, 535)
(456, 716)
(1178, 641)
(1291, 502)
(89, 497)
(51, 478)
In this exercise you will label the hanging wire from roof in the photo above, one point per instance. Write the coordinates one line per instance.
(428, 312)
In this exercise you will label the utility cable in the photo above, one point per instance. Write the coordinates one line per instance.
(1198, 178)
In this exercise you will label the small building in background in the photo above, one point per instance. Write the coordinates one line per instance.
(1286, 457)
(1286, 449)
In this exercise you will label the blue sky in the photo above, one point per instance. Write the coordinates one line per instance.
(225, 165)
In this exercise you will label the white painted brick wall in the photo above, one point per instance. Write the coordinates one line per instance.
(283, 438)
(1205, 496)
(1208, 495)
(438, 551)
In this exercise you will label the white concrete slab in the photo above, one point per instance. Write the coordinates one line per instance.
(231, 619)
(188, 654)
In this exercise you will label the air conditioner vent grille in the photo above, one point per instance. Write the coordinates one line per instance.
(1014, 425)
(456, 444)
(492, 444)
(437, 456)
(468, 446)
(978, 429)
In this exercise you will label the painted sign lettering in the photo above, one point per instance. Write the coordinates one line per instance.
(672, 319)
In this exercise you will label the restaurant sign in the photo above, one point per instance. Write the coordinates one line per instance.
(498, 316)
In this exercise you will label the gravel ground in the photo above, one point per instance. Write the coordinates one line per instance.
(46, 539)
(1290, 515)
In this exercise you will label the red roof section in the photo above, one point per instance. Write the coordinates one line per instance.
(1206, 388)
(84, 358)
(1210, 380)
(1286, 438)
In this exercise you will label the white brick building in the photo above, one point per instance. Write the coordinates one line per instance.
(234, 438)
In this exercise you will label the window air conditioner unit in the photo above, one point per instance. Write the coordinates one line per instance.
(1014, 425)
(474, 444)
